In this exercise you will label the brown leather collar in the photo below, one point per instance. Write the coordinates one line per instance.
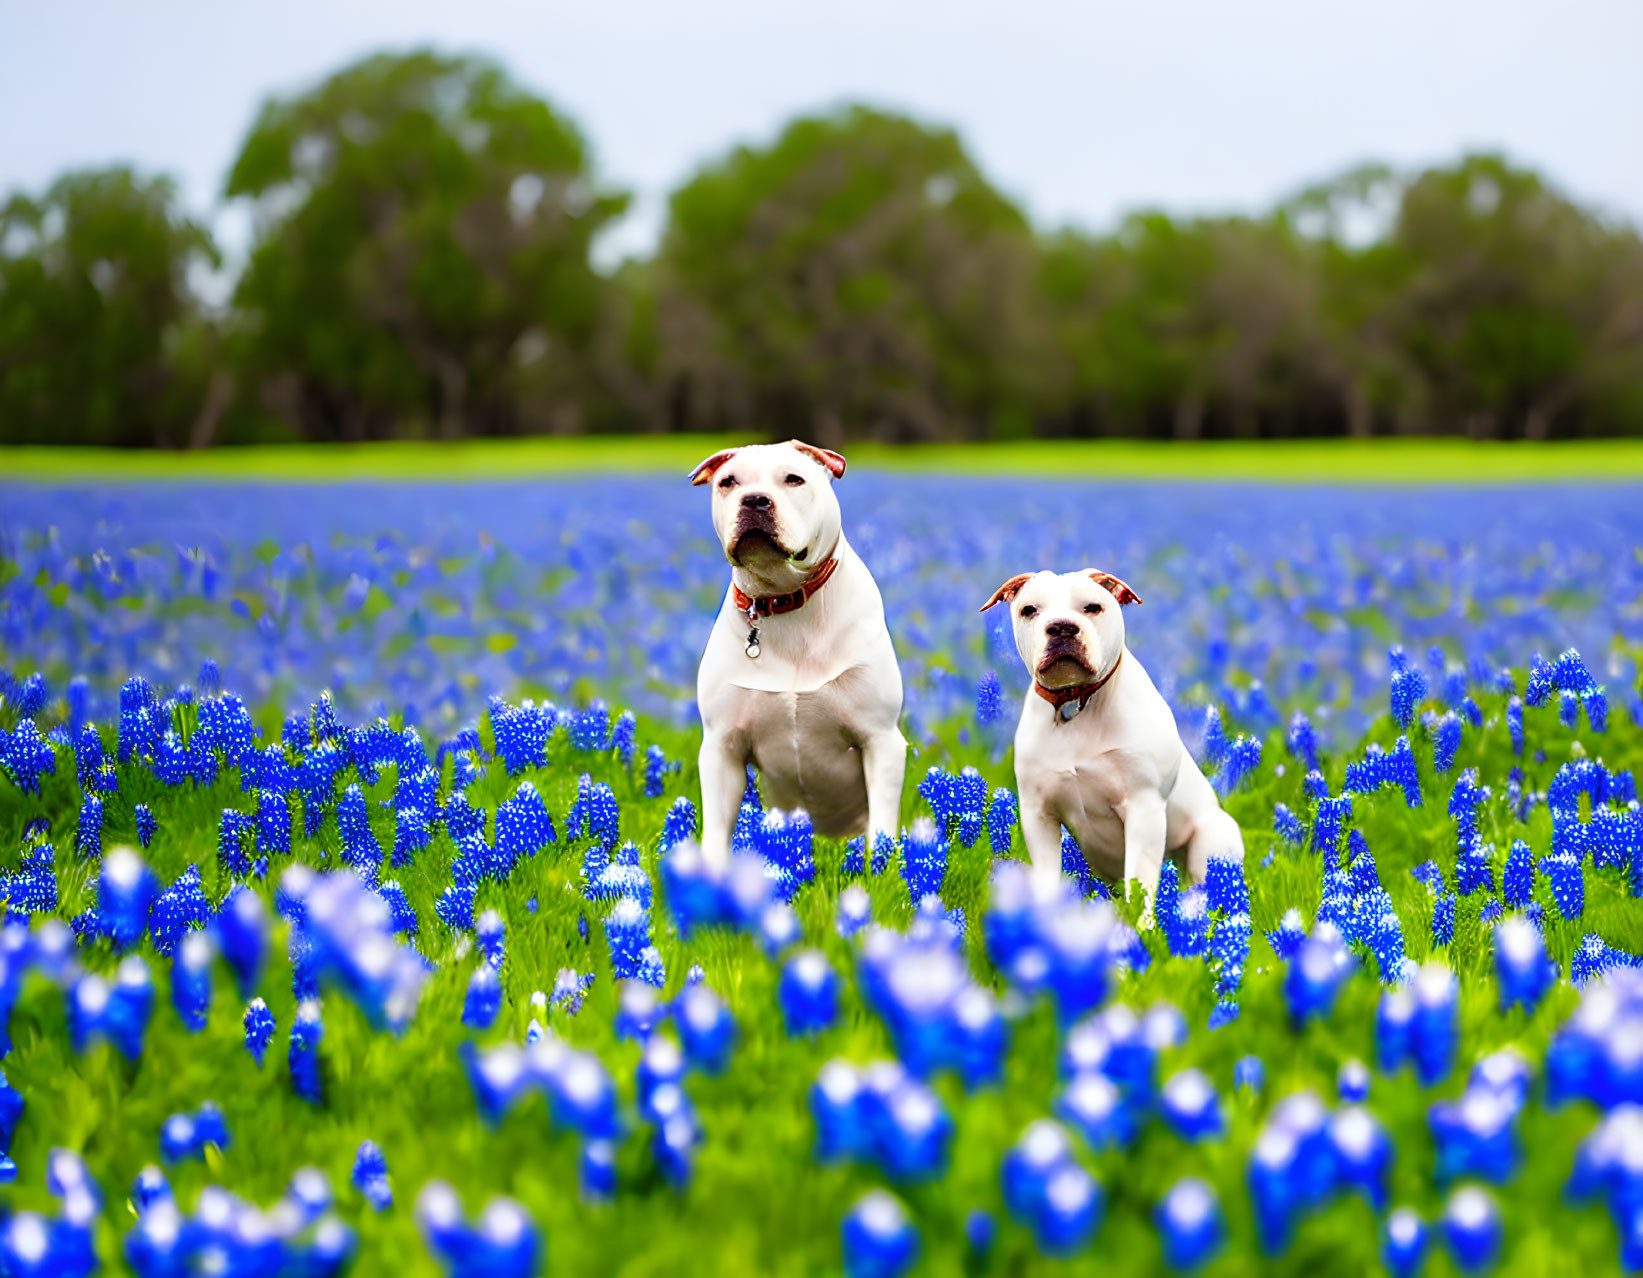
(1079, 692)
(774, 605)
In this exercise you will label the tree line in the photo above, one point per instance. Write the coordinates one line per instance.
(421, 266)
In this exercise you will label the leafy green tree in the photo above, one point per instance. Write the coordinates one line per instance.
(1522, 309)
(94, 302)
(422, 253)
(858, 275)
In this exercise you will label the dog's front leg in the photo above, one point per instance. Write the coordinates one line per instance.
(884, 768)
(724, 780)
(1041, 832)
(1145, 832)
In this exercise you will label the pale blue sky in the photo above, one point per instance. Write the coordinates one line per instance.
(1079, 111)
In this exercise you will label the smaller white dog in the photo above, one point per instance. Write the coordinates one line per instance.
(799, 677)
(1097, 749)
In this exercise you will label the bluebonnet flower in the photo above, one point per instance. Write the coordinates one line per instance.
(504, 1244)
(989, 699)
(484, 998)
(1287, 826)
(1563, 875)
(1240, 761)
(1514, 724)
(1286, 939)
(1464, 801)
(924, 859)
(186, 1135)
(26, 756)
(181, 906)
(273, 823)
(1472, 1227)
(678, 825)
(1475, 1136)
(33, 889)
(1408, 687)
(523, 825)
(1249, 1074)
(627, 931)
(707, 1030)
(1352, 1081)
(117, 1011)
(455, 907)
(303, 1057)
(240, 926)
(597, 1171)
(126, 889)
(1443, 919)
(590, 730)
(1315, 974)
(1473, 871)
(1404, 1240)
(570, 988)
(88, 756)
(1003, 814)
(1190, 1222)
(88, 837)
(1302, 741)
(809, 993)
(1049, 1192)
(1291, 1168)
(370, 1175)
(1216, 742)
(1190, 1106)
(1446, 742)
(879, 1240)
(656, 769)
(621, 737)
(1517, 882)
(1329, 816)
(191, 980)
(1363, 1154)
(462, 819)
(521, 733)
(1092, 1103)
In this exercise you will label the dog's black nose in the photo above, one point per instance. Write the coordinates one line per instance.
(1062, 629)
(756, 501)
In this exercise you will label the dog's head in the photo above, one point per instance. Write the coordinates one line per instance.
(1069, 627)
(774, 509)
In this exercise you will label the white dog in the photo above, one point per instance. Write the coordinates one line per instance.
(799, 677)
(1097, 750)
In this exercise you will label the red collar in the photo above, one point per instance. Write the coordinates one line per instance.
(1079, 692)
(773, 605)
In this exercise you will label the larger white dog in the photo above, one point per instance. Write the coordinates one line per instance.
(799, 677)
(1096, 749)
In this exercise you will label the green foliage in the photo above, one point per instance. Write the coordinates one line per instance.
(95, 308)
(422, 255)
(423, 267)
(759, 1203)
(857, 276)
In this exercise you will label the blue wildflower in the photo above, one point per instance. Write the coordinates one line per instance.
(989, 699)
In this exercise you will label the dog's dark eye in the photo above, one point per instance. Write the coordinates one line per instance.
(729, 481)
(1092, 609)
(1028, 610)
(793, 481)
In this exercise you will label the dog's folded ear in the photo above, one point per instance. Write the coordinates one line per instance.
(825, 456)
(1119, 590)
(704, 472)
(1007, 592)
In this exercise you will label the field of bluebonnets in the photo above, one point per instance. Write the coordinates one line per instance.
(354, 918)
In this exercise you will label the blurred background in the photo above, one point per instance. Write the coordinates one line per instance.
(225, 224)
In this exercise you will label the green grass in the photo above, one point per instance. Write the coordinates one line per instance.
(759, 1203)
(1445, 460)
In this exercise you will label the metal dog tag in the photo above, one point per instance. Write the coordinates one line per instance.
(752, 648)
(1067, 710)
